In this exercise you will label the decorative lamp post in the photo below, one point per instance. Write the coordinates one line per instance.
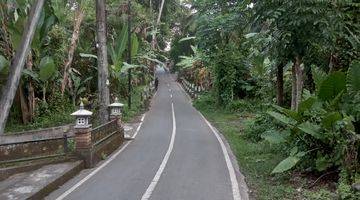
(116, 109)
(82, 117)
(83, 143)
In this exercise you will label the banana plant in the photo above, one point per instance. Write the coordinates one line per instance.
(78, 85)
(319, 128)
(4, 69)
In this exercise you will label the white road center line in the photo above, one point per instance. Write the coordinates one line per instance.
(157, 176)
(234, 182)
(82, 181)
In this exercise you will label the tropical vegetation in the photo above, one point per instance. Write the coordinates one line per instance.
(299, 62)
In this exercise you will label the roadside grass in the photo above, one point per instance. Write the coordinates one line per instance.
(257, 159)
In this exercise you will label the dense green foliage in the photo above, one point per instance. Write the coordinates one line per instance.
(45, 77)
(305, 53)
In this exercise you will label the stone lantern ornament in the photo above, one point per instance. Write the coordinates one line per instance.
(82, 117)
(116, 108)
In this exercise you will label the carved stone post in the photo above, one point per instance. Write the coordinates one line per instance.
(116, 113)
(83, 143)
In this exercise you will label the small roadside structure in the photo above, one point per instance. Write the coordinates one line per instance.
(116, 109)
(82, 117)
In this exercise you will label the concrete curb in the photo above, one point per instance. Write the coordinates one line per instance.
(59, 181)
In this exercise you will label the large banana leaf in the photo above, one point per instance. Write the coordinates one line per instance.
(4, 65)
(33, 75)
(319, 76)
(286, 164)
(330, 119)
(290, 113)
(306, 104)
(86, 55)
(353, 77)
(127, 66)
(334, 84)
(273, 137)
(134, 45)
(282, 118)
(121, 43)
(311, 129)
(47, 68)
(186, 39)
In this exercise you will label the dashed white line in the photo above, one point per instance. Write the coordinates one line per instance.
(157, 176)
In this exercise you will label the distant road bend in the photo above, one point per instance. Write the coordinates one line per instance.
(176, 155)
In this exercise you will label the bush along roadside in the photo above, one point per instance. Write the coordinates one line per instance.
(322, 135)
(311, 153)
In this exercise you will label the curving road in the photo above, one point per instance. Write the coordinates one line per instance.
(176, 155)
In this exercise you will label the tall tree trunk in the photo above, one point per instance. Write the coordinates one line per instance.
(31, 95)
(280, 84)
(297, 83)
(103, 73)
(293, 88)
(23, 105)
(12, 83)
(78, 18)
(154, 42)
(160, 12)
(129, 53)
(7, 47)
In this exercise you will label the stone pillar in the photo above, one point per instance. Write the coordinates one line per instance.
(116, 113)
(83, 145)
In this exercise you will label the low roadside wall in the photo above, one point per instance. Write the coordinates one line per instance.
(106, 139)
(40, 134)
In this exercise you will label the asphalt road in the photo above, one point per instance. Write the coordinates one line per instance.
(175, 156)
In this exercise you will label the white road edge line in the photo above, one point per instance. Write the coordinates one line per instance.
(82, 181)
(138, 128)
(234, 182)
(157, 176)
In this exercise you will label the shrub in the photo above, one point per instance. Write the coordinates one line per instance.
(320, 134)
(256, 127)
